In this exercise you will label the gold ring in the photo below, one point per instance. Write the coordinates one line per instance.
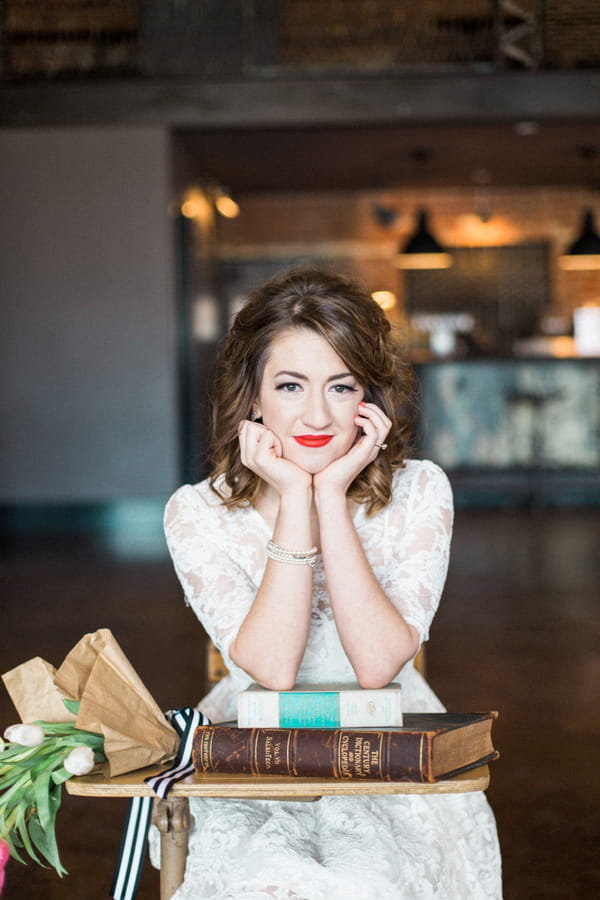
(381, 446)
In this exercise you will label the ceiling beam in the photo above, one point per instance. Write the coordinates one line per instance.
(307, 102)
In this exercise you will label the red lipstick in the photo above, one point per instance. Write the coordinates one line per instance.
(313, 440)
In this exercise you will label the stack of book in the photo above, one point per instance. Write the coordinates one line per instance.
(335, 731)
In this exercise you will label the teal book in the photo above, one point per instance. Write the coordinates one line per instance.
(320, 706)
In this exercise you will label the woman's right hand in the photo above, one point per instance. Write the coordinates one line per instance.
(261, 452)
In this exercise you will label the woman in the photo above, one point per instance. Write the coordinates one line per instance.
(316, 552)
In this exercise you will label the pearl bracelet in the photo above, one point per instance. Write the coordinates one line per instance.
(295, 557)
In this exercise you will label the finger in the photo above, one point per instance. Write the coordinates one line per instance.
(259, 447)
(366, 448)
(369, 424)
(266, 445)
(371, 443)
(380, 424)
(248, 436)
(375, 414)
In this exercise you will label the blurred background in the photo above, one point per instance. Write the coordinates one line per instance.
(158, 161)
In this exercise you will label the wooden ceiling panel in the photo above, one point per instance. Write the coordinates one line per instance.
(505, 154)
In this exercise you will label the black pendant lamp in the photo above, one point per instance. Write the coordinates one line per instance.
(584, 252)
(422, 250)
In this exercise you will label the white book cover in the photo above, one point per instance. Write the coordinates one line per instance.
(320, 706)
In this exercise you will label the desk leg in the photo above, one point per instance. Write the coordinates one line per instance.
(172, 818)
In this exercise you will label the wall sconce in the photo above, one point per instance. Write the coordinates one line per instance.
(422, 250)
(196, 205)
(206, 194)
(584, 252)
(224, 202)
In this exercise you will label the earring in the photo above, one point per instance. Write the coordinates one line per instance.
(253, 415)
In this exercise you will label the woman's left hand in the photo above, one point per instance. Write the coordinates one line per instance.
(341, 473)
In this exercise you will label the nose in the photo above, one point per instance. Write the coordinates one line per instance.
(316, 413)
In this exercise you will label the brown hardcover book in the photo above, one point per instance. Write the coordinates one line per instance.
(428, 747)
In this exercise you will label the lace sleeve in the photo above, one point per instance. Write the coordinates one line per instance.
(215, 585)
(417, 545)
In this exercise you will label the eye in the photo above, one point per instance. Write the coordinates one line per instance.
(343, 388)
(289, 387)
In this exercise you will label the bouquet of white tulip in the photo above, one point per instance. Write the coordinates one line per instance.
(93, 709)
(34, 763)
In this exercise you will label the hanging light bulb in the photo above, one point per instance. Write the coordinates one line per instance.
(584, 252)
(422, 250)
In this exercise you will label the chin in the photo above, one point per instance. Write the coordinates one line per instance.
(312, 466)
(316, 467)
(313, 461)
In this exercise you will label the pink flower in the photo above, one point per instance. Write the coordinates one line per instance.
(4, 854)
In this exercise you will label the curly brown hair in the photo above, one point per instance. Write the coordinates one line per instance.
(341, 311)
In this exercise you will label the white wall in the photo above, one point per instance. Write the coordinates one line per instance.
(87, 315)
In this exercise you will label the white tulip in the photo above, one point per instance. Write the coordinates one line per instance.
(80, 761)
(25, 735)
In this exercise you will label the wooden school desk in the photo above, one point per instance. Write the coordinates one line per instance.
(172, 816)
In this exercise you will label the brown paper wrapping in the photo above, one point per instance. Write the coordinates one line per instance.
(35, 695)
(114, 701)
(77, 665)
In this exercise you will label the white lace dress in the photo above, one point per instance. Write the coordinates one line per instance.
(358, 848)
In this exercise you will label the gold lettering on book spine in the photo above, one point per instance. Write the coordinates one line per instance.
(268, 754)
(206, 749)
(343, 757)
(376, 760)
(357, 757)
(366, 758)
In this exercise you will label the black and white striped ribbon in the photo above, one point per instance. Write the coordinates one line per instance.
(139, 813)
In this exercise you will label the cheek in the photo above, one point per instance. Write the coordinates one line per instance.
(352, 431)
(356, 434)
(274, 416)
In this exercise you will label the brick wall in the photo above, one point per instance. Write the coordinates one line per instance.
(340, 226)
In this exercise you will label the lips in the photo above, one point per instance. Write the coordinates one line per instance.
(313, 440)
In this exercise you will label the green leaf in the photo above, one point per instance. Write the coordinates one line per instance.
(55, 798)
(13, 843)
(21, 827)
(52, 729)
(7, 781)
(41, 793)
(13, 751)
(45, 842)
(12, 795)
(59, 776)
(72, 706)
(31, 780)
(48, 762)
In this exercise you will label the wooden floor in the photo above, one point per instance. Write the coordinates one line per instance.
(517, 631)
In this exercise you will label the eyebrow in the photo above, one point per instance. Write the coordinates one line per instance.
(301, 377)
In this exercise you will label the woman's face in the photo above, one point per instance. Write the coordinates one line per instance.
(309, 399)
